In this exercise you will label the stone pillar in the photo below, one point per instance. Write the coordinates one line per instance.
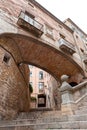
(67, 96)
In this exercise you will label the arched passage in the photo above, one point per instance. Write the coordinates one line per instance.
(25, 49)
(44, 55)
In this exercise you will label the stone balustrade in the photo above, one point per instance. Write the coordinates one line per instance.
(72, 97)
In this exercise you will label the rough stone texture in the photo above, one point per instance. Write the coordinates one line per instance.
(9, 17)
(24, 47)
(56, 95)
(24, 68)
(73, 98)
(34, 52)
(48, 120)
(82, 101)
(14, 95)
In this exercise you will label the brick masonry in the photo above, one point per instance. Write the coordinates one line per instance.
(24, 47)
(14, 90)
(27, 45)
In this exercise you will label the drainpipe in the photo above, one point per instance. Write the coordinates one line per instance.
(78, 50)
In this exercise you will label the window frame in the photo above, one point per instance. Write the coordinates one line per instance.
(41, 76)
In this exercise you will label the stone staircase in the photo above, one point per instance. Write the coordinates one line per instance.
(47, 120)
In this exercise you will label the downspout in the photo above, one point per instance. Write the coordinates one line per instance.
(78, 50)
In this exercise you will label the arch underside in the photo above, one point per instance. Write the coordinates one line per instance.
(44, 56)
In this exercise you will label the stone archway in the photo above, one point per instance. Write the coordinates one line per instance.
(14, 95)
(44, 55)
(25, 49)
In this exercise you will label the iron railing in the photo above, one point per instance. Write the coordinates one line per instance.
(63, 44)
(31, 21)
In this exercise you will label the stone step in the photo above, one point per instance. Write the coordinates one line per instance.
(26, 128)
(80, 112)
(54, 122)
(41, 109)
(85, 103)
(83, 108)
(29, 115)
(38, 114)
(77, 117)
(45, 120)
(39, 120)
(53, 125)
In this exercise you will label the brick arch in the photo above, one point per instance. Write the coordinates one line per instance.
(44, 55)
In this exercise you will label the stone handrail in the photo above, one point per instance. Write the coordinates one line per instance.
(71, 96)
(66, 86)
(79, 86)
(77, 101)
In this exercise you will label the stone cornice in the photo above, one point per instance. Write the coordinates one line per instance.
(50, 14)
(76, 26)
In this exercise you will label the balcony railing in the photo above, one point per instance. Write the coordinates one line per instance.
(66, 46)
(41, 90)
(30, 24)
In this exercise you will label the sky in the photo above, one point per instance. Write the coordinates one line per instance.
(74, 9)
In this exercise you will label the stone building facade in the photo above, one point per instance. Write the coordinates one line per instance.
(29, 34)
(39, 82)
(14, 90)
(44, 83)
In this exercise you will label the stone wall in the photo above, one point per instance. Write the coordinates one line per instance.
(14, 90)
(73, 97)
(21, 46)
(24, 68)
(54, 94)
(10, 10)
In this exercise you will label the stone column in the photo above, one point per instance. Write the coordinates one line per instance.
(67, 96)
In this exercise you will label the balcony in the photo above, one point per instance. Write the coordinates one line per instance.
(30, 24)
(85, 58)
(41, 90)
(66, 46)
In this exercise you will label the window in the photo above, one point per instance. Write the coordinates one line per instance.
(82, 50)
(30, 74)
(29, 14)
(49, 31)
(31, 84)
(6, 58)
(30, 66)
(31, 4)
(41, 75)
(60, 26)
(73, 28)
(76, 36)
(41, 85)
(62, 36)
